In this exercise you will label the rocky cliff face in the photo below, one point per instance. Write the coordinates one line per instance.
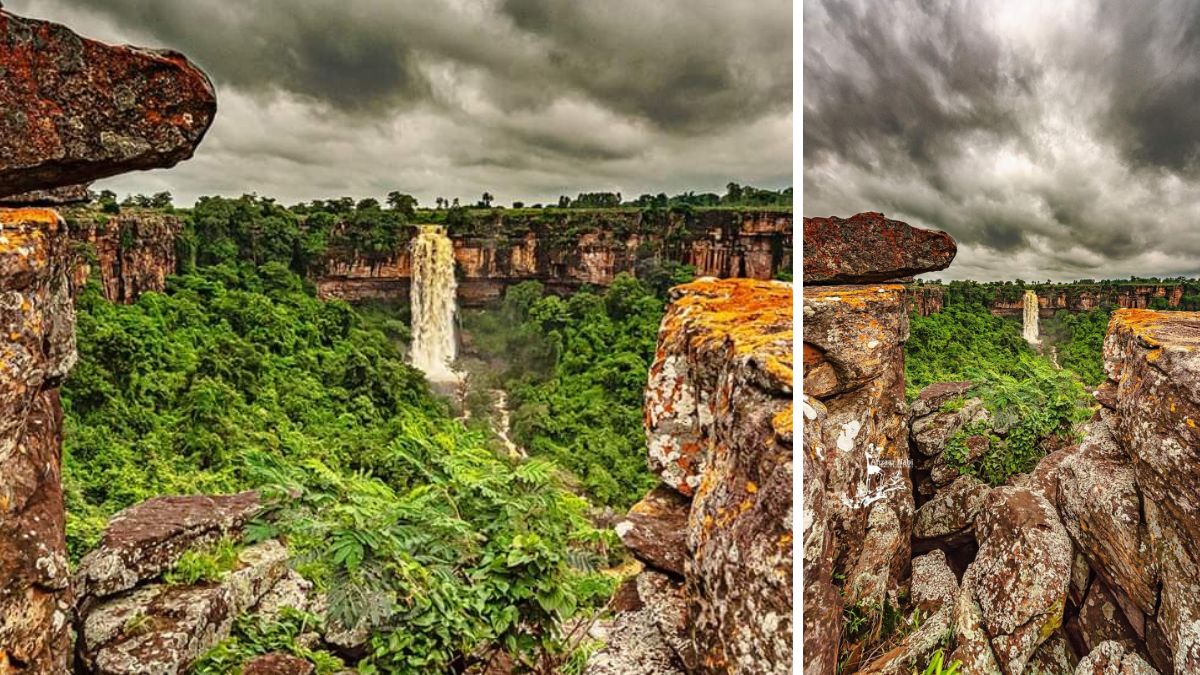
(926, 300)
(858, 495)
(75, 110)
(718, 534)
(129, 254)
(565, 251)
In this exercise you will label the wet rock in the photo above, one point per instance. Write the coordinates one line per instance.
(37, 348)
(78, 110)
(655, 529)
(1110, 658)
(144, 540)
(952, 512)
(1020, 575)
(161, 628)
(933, 582)
(1099, 503)
(277, 663)
(868, 248)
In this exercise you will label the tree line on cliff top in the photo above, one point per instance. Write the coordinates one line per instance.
(237, 377)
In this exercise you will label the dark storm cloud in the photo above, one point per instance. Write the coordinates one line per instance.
(1051, 139)
(526, 99)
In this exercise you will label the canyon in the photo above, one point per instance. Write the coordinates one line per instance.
(564, 251)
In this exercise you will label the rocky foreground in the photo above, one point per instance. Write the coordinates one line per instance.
(1088, 564)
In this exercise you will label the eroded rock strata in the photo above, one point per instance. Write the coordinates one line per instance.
(75, 110)
(128, 254)
(567, 250)
(719, 431)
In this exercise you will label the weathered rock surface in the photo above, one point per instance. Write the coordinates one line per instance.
(933, 583)
(719, 428)
(655, 529)
(930, 298)
(952, 511)
(77, 110)
(37, 348)
(277, 663)
(1100, 619)
(1018, 582)
(68, 194)
(931, 432)
(822, 604)
(1110, 658)
(563, 251)
(161, 628)
(868, 248)
(1053, 657)
(143, 541)
(129, 254)
(636, 641)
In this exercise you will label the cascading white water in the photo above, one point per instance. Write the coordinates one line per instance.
(1029, 316)
(433, 304)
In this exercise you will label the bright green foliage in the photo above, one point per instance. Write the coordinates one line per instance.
(1027, 399)
(938, 666)
(252, 636)
(577, 371)
(205, 564)
(1079, 341)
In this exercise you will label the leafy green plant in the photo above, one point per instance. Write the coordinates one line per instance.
(937, 666)
(253, 636)
(205, 564)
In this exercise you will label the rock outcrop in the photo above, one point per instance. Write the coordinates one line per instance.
(74, 110)
(129, 253)
(565, 250)
(869, 248)
(719, 431)
(77, 110)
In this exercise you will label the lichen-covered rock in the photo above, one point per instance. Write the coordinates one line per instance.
(1099, 503)
(144, 540)
(933, 583)
(822, 605)
(650, 638)
(1154, 359)
(860, 332)
(278, 663)
(655, 529)
(77, 110)
(1020, 575)
(931, 432)
(952, 511)
(1053, 657)
(868, 248)
(972, 646)
(1110, 658)
(37, 348)
(931, 398)
(868, 582)
(1100, 619)
(291, 591)
(161, 628)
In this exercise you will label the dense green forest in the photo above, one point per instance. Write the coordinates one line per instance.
(237, 376)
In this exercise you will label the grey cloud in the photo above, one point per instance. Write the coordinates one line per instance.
(1049, 138)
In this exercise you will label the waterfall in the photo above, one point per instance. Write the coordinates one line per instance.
(1029, 329)
(433, 304)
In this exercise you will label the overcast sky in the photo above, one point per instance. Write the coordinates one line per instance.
(1052, 139)
(527, 99)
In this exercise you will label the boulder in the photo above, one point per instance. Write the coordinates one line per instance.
(931, 433)
(37, 349)
(1054, 657)
(1100, 619)
(144, 540)
(655, 529)
(636, 641)
(1110, 658)
(932, 397)
(822, 603)
(972, 644)
(868, 582)
(78, 110)
(1020, 576)
(291, 591)
(278, 663)
(1099, 503)
(933, 583)
(868, 248)
(951, 513)
(68, 194)
(160, 628)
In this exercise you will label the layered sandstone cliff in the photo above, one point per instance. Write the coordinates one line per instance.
(717, 535)
(565, 250)
(128, 254)
(930, 299)
(75, 110)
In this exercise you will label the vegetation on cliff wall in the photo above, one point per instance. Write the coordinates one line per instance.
(238, 377)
